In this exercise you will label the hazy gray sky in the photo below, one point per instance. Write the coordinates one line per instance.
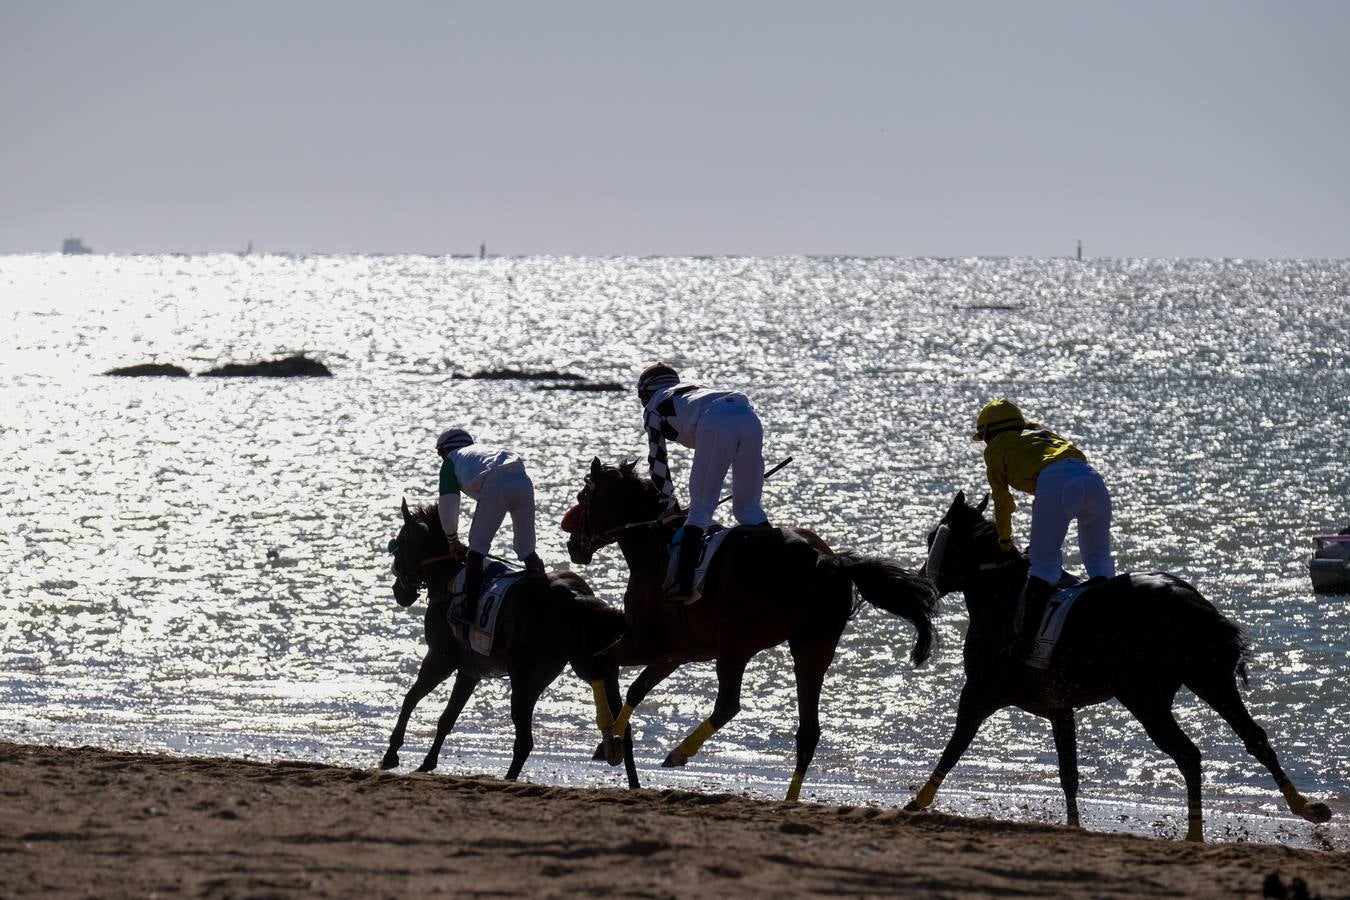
(876, 128)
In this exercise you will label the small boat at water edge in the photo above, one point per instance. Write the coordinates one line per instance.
(1330, 564)
(73, 246)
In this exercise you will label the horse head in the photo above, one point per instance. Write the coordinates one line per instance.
(613, 498)
(420, 538)
(960, 544)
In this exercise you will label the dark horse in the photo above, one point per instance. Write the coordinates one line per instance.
(1138, 638)
(549, 621)
(766, 586)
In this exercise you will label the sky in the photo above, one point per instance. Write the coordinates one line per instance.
(961, 128)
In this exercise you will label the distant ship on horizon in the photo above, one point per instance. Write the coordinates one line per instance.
(73, 246)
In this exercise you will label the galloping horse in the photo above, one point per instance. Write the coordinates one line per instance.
(547, 622)
(766, 586)
(1138, 638)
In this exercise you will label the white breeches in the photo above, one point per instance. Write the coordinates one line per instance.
(729, 437)
(1065, 490)
(505, 490)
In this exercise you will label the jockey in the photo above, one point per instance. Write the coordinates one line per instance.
(722, 429)
(497, 480)
(1026, 456)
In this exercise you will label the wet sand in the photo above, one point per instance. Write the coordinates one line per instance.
(89, 822)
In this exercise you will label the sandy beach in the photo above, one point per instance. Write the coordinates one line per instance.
(90, 822)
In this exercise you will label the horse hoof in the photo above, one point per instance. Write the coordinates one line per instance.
(390, 761)
(1317, 813)
(614, 753)
(674, 760)
(913, 806)
(427, 766)
(599, 753)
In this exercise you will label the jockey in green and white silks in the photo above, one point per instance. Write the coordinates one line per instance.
(497, 480)
(724, 432)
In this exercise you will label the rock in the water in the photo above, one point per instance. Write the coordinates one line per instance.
(144, 369)
(291, 367)
(522, 375)
(581, 386)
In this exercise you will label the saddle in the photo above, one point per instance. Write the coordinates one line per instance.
(713, 539)
(1067, 592)
(497, 582)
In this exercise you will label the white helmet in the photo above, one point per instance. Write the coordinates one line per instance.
(452, 439)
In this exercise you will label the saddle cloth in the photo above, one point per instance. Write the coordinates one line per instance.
(1052, 621)
(711, 543)
(497, 580)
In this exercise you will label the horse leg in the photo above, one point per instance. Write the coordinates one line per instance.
(970, 715)
(648, 678)
(630, 767)
(1223, 695)
(1066, 748)
(729, 675)
(603, 673)
(525, 690)
(459, 695)
(1155, 714)
(809, 662)
(435, 669)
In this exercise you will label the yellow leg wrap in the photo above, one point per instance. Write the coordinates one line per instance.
(928, 791)
(690, 745)
(621, 723)
(1195, 828)
(603, 717)
(1296, 801)
(795, 788)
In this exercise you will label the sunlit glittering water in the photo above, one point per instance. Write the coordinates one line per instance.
(140, 609)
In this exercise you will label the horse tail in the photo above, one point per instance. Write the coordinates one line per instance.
(885, 584)
(1216, 639)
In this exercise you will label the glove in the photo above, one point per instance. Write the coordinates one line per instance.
(670, 514)
(457, 549)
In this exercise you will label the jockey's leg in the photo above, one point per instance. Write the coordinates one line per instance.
(747, 471)
(713, 451)
(1094, 525)
(521, 504)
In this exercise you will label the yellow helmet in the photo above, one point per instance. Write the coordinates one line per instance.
(997, 415)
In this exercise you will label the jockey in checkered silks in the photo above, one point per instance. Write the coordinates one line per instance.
(723, 431)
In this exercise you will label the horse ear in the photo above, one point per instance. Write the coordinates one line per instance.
(595, 467)
(958, 502)
(984, 504)
(407, 516)
(628, 465)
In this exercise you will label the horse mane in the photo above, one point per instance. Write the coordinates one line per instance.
(428, 515)
(981, 527)
(627, 469)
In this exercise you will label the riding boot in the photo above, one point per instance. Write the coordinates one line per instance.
(534, 564)
(1027, 619)
(473, 586)
(685, 549)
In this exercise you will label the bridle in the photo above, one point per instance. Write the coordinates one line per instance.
(585, 535)
(419, 567)
(937, 550)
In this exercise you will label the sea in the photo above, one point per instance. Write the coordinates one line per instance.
(199, 565)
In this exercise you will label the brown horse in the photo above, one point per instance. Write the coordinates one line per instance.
(545, 623)
(767, 585)
(1137, 637)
